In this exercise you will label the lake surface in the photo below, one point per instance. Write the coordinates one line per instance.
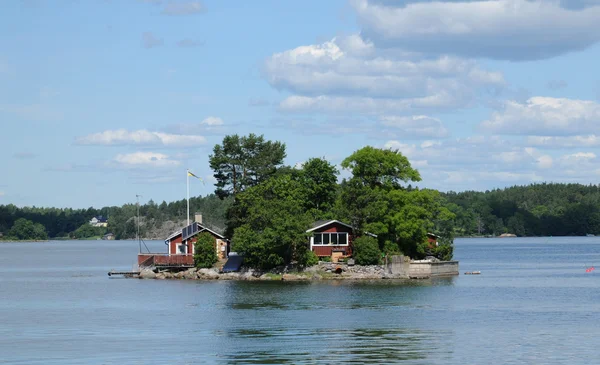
(532, 304)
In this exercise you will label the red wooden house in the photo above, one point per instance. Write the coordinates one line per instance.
(181, 248)
(332, 238)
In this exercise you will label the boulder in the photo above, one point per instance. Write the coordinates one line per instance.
(147, 274)
(208, 274)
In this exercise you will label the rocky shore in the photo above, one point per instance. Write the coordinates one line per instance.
(322, 271)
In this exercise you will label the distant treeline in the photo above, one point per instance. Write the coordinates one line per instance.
(67, 222)
(533, 210)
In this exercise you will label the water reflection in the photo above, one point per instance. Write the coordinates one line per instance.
(339, 346)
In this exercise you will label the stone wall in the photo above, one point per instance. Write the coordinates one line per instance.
(417, 269)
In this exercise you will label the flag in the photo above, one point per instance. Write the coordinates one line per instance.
(191, 174)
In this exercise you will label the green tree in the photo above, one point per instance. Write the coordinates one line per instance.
(242, 162)
(321, 184)
(24, 229)
(88, 231)
(366, 251)
(205, 255)
(380, 167)
(273, 223)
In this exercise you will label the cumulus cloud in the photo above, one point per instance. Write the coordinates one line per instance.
(348, 71)
(141, 137)
(183, 8)
(498, 29)
(415, 126)
(591, 140)
(212, 121)
(149, 40)
(145, 159)
(544, 116)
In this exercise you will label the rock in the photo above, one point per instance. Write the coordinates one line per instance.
(350, 262)
(190, 274)
(161, 276)
(147, 274)
(208, 273)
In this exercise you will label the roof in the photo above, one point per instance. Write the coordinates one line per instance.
(325, 222)
(202, 229)
(433, 235)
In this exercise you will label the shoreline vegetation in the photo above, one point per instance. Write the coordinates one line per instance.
(266, 208)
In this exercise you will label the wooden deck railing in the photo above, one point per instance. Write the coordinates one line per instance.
(165, 260)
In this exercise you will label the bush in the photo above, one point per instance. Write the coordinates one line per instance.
(310, 259)
(366, 251)
(325, 258)
(444, 252)
(391, 248)
(205, 255)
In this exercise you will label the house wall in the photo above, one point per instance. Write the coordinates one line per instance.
(328, 249)
(219, 244)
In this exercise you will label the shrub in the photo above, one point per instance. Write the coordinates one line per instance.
(391, 248)
(366, 251)
(325, 258)
(205, 255)
(444, 252)
(310, 259)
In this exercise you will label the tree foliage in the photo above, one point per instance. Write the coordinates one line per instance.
(242, 162)
(366, 251)
(24, 229)
(87, 231)
(534, 210)
(273, 224)
(205, 255)
(320, 180)
(380, 167)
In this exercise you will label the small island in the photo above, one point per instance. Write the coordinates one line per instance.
(301, 223)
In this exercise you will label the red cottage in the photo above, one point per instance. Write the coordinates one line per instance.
(181, 248)
(332, 238)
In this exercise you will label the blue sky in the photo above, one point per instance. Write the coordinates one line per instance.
(102, 100)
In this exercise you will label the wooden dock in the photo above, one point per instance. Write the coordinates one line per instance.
(123, 273)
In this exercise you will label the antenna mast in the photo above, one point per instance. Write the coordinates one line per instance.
(137, 197)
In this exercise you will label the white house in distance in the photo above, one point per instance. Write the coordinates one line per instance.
(99, 221)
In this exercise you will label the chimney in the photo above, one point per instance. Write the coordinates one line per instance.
(198, 218)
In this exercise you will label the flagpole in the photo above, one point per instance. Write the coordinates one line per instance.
(187, 176)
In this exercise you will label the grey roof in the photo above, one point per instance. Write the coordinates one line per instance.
(203, 227)
(325, 222)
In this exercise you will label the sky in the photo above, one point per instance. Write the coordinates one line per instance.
(101, 100)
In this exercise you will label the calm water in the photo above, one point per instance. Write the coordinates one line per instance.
(533, 304)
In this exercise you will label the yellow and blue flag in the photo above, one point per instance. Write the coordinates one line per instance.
(191, 174)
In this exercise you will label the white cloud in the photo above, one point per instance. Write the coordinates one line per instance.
(1, 193)
(183, 8)
(416, 126)
(212, 121)
(544, 116)
(145, 159)
(500, 29)
(141, 137)
(591, 140)
(349, 72)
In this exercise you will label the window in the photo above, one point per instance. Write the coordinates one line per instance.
(318, 239)
(335, 239)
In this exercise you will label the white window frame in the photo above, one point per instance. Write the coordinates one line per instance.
(312, 239)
